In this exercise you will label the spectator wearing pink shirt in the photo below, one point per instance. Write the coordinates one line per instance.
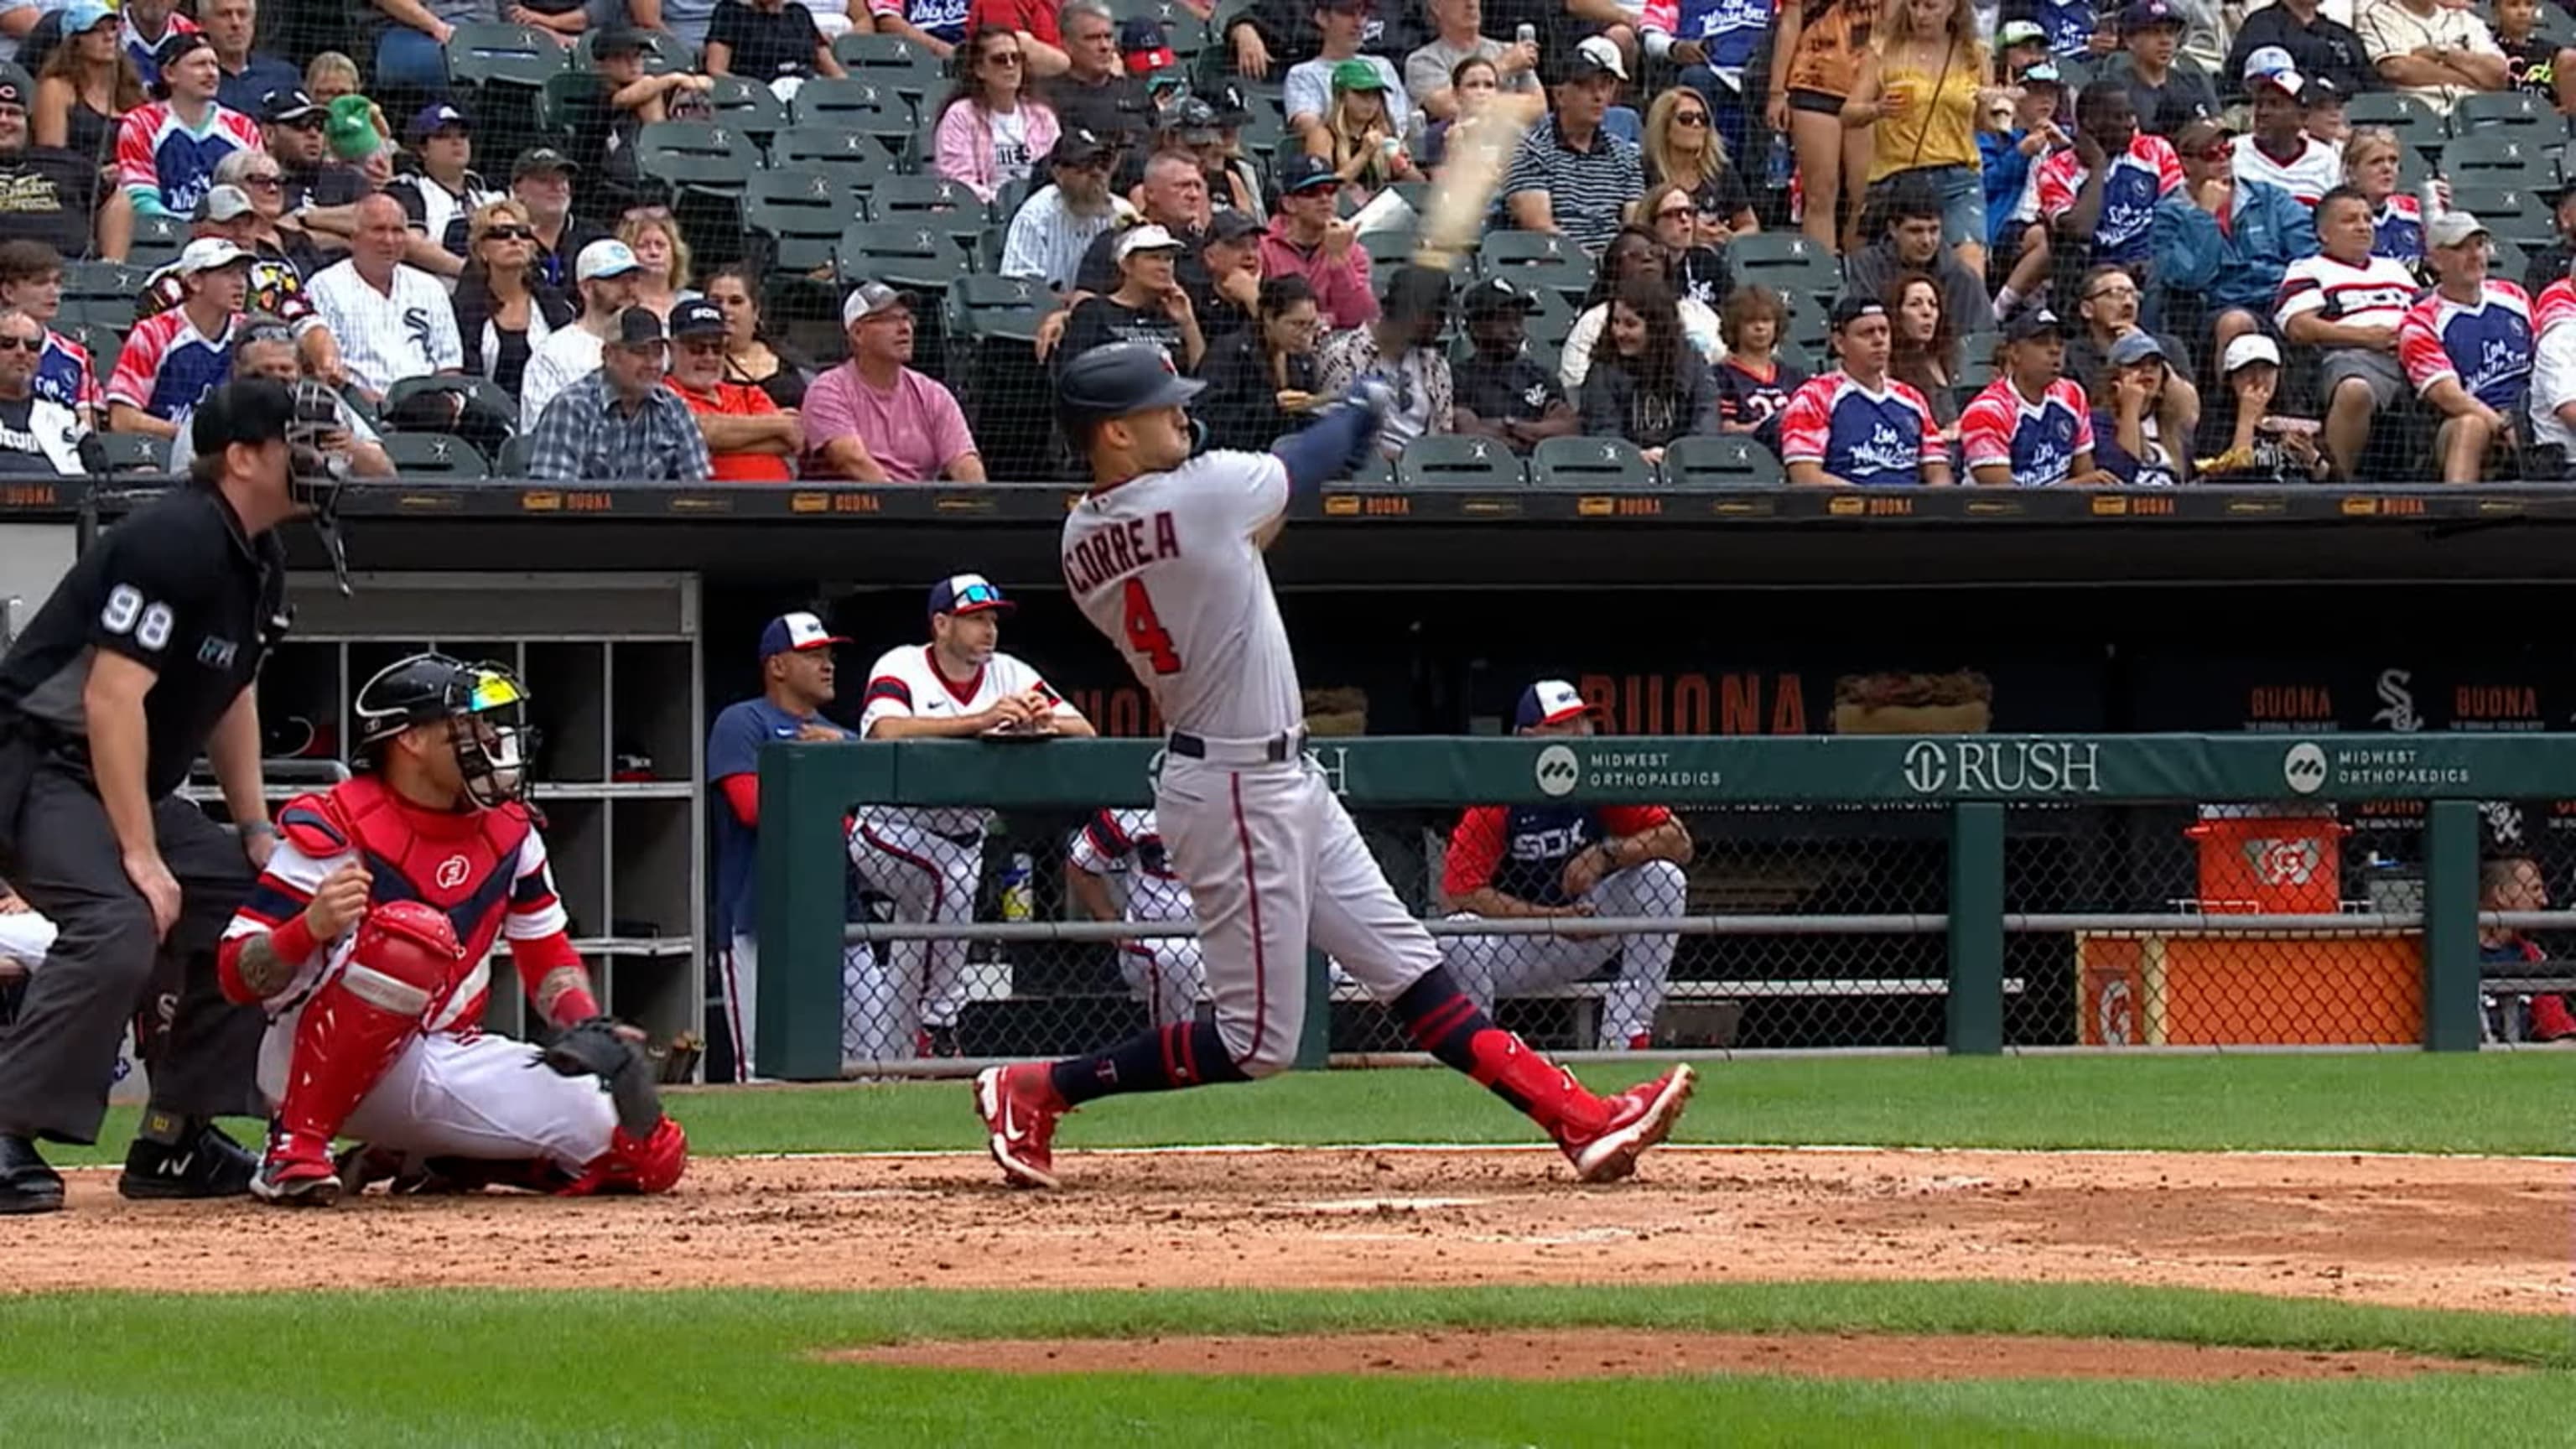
(874, 420)
(990, 132)
(1307, 240)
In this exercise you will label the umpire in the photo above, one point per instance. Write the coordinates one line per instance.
(145, 657)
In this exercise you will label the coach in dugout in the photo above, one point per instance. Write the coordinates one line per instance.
(1566, 861)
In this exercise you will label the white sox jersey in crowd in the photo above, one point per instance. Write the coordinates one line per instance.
(453, 1091)
(1165, 566)
(1163, 971)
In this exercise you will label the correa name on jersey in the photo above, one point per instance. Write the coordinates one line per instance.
(1101, 557)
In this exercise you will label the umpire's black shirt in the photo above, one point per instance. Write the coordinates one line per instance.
(177, 587)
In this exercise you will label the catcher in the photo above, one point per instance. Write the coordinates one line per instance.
(368, 939)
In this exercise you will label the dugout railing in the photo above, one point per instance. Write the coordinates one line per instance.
(1963, 893)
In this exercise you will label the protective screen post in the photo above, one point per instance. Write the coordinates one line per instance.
(2451, 926)
(1976, 1002)
(803, 899)
(1315, 1044)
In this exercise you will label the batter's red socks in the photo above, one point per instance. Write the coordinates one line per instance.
(1189, 1054)
(1445, 1022)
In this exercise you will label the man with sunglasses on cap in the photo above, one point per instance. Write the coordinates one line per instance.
(2224, 242)
(1856, 425)
(930, 861)
(875, 420)
(166, 149)
(1306, 239)
(619, 424)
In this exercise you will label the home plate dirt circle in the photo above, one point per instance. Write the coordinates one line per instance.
(1598, 1353)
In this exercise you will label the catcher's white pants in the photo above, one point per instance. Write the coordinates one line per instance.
(911, 984)
(742, 1001)
(482, 1096)
(1272, 859)
(1489, 968)
(1167, 974)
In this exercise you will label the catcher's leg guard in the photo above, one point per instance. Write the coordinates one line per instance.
(653, 1164)
(352, 1029)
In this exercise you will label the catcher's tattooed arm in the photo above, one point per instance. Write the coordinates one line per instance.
(558, 984)
(263, 972)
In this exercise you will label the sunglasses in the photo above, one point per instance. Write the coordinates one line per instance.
(264, 179)
(1690, 118)
(21, 344)
(1685, 209)
(976, 596)
(1003, 57)
(510, 233)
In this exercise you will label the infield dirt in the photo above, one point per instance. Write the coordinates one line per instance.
(2442, 1232)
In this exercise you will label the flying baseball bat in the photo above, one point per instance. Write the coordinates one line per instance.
(1479, 151)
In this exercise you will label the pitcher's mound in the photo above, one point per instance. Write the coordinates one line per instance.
(1640, 1353)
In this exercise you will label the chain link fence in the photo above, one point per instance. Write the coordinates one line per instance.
(1785, 929)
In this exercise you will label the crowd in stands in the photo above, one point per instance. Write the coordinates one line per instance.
(1853, 241)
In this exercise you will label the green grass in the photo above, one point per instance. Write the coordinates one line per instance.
(450, 1368)
(2516, 1102)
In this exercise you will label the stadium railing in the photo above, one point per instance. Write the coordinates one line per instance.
(1968, 893)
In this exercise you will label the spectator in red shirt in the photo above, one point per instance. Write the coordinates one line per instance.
(749, 438)
(1034, 21)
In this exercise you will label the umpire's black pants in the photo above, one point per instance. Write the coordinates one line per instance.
(58, 1057)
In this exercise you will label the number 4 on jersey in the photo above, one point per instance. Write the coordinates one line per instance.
(1145, 632)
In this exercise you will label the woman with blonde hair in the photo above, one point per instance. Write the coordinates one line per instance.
(1358, 135)
(329, 76)
(503, 306)
(2370, 162)
(663, 258)
(1918, 92)
(1681, 146)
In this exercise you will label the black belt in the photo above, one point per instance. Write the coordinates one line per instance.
(1278, 749)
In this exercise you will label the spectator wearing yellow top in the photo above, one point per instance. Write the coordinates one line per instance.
(1917, 91)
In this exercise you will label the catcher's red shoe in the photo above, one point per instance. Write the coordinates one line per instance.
(1020, 1108)
(296, 1171)
(1640, 1117)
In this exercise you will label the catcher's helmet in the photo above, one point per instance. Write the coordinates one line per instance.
(1116, 379)
(491, 754)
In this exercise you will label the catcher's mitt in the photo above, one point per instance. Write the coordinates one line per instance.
(597, 1048)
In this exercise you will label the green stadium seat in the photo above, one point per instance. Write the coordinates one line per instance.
(125, 452)
(2481, 113)
(1576, 463)
(1446, 460)
(902, 254)
(2508, 156)
(1752, 255)
(892, 61)
(898, 197)
(434, 456)
(663, 51)
(800, 236)
(521, 55)
(747, 105)
(856, 162)
(2415, 122)
(1726, 461)
(481, 391)
(515, 455)
(697, 155)
(114, 313)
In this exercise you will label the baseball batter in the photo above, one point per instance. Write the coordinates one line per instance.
(1163, 971)
(1164, 557)
(929, 862)
(368, 940)
(1567, 860)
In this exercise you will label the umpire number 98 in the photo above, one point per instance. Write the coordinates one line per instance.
(127, 613)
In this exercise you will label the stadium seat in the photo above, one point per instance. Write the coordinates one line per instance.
(482, 391)
(663, 51)
(893, 61)
(747, 106)
(159, 227)
(900, 253)
(1817, 277)
(125, 452)
(696, 155)
(434, 455)
(1577, 463)
(572, 116)
(800, 222)
(2483, 112)
(1377, 472)
(1810, 324)
(1729, 461)
(479, 55)
(1445, 460)
(2506, 156)
(844, 150)
(1183, 30)
(1750, 256)
(904, 197)
(1389, 248)
(114, 313)
(2415, 122)
(513, 462)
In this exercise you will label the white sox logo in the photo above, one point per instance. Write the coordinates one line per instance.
(451, 872)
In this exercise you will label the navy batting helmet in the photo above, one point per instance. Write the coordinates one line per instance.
(1116, 379)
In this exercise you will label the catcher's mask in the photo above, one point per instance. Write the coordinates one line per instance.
(485, 704)
(316, 475)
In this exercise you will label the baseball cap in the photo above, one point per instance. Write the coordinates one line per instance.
(1301, 171)
(967, 594)
(1550, 701)
(2202, 139)
(1146, 238)
(433, 119)
(1416, 291)
(1079, 147)
(80, 15)
(2251, 348)
(1195, 120)
(2133, 347)
(542, 158)
(2271, 65)
(1230, 225)
(1496, 294)
(2043, 73)
(1119, 379)
(697, 317)
(281, 107)
(2020, 32)
(251, 410)
(638, 327)
(1598, 56)
(10, 95)
(2147, 15)
(1851, 307)
(351, 125)
(208, 254)
(795, 633)
(1356, 74)
(607, 257)
(870, 298)
(2452, 228)
(2032, 322)
(223, 203)
(2323, 92)
(1360, 6)
(1233, 107)
(1142, 42)
(618, 40)
(176, 44)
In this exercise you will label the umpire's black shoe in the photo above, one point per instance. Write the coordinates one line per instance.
(202, 1163)
(27, 1185)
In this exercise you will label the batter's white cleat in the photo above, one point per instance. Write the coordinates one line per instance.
(1020, 1107)
(1640, 1117)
